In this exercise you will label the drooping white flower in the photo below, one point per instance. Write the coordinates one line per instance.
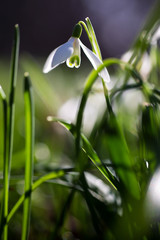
(70, 52)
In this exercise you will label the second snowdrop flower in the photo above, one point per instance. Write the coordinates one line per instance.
(70, 52)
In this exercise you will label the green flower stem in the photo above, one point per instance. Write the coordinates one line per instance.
(29, 119)
(87, 88)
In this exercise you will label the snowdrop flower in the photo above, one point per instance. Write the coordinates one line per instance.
(70, 52)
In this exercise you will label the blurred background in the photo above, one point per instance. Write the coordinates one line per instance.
(46, 24)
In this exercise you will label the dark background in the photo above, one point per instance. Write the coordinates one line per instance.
(45, 24)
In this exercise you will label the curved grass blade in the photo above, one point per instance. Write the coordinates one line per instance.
(88, 149)
(35, 185)
(29, 123)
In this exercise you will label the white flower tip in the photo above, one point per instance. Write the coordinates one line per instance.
(45, 70)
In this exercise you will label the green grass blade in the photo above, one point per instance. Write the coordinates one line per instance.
(14, 70)
(88, 149)
(29, 123)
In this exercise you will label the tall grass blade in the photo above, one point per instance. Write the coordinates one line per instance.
(29, 129)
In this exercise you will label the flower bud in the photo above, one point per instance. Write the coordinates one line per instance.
(77, 31)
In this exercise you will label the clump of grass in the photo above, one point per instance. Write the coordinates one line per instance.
(109, 188)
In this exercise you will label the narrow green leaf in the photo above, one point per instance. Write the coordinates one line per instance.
(87, 147)
(29, 123)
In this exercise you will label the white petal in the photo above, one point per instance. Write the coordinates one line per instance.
(58, 56)
(95, 62)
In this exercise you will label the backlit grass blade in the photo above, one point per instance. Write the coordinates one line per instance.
(14, 70)
(88, 149)
(29, 133)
